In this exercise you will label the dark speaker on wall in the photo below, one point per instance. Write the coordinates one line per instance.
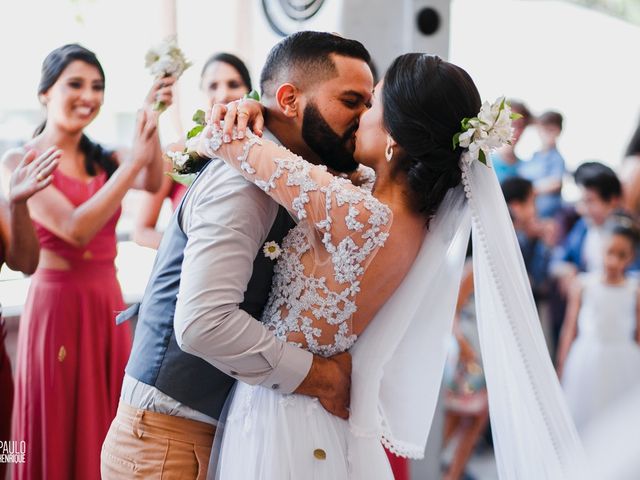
(428, 21)
(390, 28)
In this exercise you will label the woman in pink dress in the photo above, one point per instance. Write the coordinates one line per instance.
(71, 355)
(19, 248)
(224, 78)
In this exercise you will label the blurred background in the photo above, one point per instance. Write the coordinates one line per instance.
(577, 57)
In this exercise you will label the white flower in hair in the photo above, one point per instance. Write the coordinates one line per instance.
(491, 129)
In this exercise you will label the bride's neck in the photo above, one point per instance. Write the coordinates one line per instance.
(393, 191)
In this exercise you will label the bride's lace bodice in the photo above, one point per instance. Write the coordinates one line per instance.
(340, 229)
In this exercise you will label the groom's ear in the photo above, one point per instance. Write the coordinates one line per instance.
(287, 97)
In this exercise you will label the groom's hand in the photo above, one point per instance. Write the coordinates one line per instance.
(329, 380)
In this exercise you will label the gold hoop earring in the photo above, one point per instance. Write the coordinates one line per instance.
(388, 152)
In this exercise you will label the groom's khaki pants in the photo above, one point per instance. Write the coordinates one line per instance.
(149, 445)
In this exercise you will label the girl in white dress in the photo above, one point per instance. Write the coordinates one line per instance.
(599, 355)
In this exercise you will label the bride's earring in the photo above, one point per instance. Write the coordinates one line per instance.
(388, 152)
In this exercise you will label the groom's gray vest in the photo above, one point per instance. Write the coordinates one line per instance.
(156, 359)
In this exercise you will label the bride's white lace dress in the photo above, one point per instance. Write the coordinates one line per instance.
(315, 293)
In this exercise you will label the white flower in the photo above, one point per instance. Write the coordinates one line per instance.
(271, 250)
(466, 138)
(491, 129)
(191, 144)
(179, 159)
(166, 59)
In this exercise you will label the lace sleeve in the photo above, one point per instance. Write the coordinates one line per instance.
(351, 222)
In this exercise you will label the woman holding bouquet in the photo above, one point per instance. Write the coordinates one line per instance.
(224, 78)
(71, 355)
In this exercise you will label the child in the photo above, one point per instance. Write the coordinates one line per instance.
(601, 194)
(546, 167)
(598, 356)
(536, 238)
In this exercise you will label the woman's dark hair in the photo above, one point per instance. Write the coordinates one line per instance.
(52, 67)
(424, 100)
(235, 62)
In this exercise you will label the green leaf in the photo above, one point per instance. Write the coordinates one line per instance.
(515, 116)
(253, 95)
(456, 140)
(183, 178)
(198, 117)
(465, 124)
(194, 131)
(160, 107)
(482, 157)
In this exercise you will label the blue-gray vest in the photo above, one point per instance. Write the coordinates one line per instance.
(156, 359)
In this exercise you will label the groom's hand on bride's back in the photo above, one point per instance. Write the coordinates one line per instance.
(329, 380)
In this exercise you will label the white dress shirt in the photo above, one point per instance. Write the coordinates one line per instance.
(226, 220)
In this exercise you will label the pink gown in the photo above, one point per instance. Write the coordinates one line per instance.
(71, 355)
(6, 386)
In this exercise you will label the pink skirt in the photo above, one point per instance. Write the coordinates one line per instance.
(6, 396)
(70, 364)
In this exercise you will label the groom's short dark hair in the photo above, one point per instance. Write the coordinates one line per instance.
(306, 56)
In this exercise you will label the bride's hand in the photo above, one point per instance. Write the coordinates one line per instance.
(240, 113)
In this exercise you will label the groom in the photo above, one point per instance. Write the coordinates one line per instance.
(197, 324)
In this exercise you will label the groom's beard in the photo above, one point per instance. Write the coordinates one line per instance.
(331, 147)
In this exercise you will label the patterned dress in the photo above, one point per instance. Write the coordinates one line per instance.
(314, 297)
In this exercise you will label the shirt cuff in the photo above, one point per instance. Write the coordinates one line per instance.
(292, 369)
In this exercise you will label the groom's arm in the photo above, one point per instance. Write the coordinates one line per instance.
(226, 220)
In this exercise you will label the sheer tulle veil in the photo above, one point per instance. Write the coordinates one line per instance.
(398, 361)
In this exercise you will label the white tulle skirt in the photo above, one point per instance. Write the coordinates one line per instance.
(270, 436)
(597, 374)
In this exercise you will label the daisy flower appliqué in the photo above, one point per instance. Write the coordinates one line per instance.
(271, 250)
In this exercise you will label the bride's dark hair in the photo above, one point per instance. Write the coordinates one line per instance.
(52, 67)
(424, 100)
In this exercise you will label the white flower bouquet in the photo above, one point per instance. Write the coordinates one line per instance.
(166, 59)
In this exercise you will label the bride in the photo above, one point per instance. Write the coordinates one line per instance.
(376, 272)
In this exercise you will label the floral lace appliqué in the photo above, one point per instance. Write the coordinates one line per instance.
(347, 226)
